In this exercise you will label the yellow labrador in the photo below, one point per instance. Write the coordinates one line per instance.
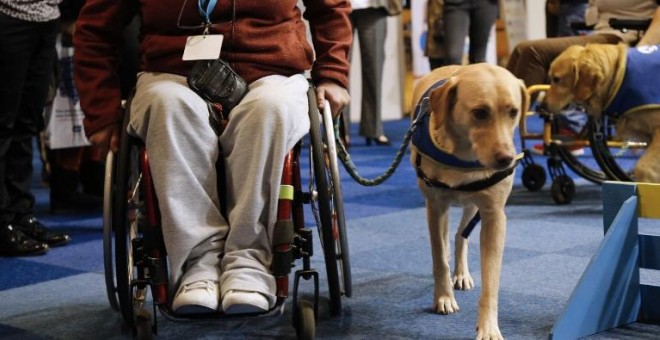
(618, 81)
(464, 153)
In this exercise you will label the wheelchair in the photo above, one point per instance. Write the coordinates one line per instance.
(135, 261)
(612, 159)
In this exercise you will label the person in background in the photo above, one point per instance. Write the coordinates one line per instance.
(467, 18)
(561, 15)
(530, 60)
(215, 262)
(652, 35)
(76, 174)
(435, 33)
(76, 168)
(28, 31)
(369, 21)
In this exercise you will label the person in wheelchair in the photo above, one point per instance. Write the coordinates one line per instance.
(530, 60)
(652, 35)
(215, 263)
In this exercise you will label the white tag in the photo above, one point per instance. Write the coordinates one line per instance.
(591, 16)
(203, 47)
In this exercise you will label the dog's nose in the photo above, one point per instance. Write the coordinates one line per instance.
(503, 159)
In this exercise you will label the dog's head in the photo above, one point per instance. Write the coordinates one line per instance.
(475, 113)
(565, 79)
(579, 74)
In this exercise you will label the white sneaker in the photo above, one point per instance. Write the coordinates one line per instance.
(197, 297)
(243, 302)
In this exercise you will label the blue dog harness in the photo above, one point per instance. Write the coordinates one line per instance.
(422, 142)
(634, 85)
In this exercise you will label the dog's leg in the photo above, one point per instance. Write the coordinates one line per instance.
(437, 213)
(462, 278)
(647, 168)
(493, 229)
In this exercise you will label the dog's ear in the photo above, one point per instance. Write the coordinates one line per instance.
(588, 78)
(442, 101)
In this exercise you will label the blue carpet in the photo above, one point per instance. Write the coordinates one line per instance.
(61, 295)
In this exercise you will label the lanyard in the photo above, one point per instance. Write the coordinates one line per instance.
(206, 8)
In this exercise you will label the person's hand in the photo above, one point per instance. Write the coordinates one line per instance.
(106, 139)
(335, 94)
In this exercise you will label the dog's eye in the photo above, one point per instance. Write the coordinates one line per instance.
(555, 80)
(480, 113)
(513, 112)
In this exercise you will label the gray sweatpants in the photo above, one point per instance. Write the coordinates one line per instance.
(174, 124)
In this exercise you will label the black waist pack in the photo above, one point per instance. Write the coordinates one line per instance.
(216, 82)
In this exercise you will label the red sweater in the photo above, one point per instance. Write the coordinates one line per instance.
(268, 37)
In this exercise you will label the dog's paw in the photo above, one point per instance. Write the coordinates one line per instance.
(493, 335)
(463, 281)
(489, 331)
(446, 305)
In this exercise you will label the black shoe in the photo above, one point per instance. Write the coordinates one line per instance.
(13, 242)
(380, 140)
(29, 225)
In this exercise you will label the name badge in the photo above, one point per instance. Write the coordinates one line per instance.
(203, 47)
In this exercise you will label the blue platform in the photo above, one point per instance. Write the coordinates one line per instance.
(610, 294)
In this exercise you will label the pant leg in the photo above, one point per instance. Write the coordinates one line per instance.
(568, 14)
(371, 25)
(26, 61)
(482, 18)
(262, 129)
(530, 60)
(456, 29)
(174, 124)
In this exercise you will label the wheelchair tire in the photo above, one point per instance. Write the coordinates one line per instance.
(343, 254)
(322, 201)
(143, 325)
(124, 229)
(108, 244)
(592, 173)
(618, 163)
(533, 177)
(563, 189)
(306, 322)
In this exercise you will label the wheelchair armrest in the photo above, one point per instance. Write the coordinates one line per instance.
(630, 24)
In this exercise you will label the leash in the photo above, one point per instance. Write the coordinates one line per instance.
(419, 114)
(350, 167)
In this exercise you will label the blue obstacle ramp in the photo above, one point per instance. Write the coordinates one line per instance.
(609, 293)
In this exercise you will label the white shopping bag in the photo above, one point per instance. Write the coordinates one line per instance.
(64, 128)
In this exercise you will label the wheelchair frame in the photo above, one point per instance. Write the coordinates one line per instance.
(134, 253)
(599, 138)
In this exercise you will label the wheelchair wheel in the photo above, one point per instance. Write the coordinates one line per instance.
(563, 189)
(125, 219)
(108, 254)
(616, 157)
(585, 167)
(324, 207)
(533, 177)
(338, 202)
(305, 322)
